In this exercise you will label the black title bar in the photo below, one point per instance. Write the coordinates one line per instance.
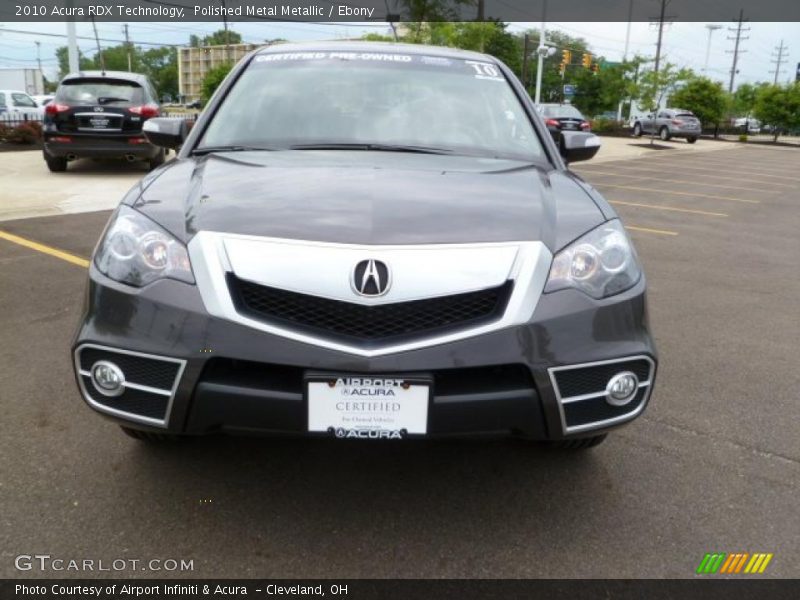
(396, 10)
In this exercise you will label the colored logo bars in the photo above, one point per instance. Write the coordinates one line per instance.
(739, 562)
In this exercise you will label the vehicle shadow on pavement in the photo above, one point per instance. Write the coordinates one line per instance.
(371, 500)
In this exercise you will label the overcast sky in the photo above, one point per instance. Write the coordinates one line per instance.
(684, 43)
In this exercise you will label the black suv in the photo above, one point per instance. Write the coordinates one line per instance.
(100, 115)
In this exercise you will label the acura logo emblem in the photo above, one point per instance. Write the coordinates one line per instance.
(371, 278)
(98, 109)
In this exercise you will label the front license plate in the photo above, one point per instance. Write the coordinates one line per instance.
(368, 407)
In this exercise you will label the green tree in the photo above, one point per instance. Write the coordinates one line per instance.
(161, 66)
(212, 80)
(218, 38)
(779, 106)
(705, 98)
(62, 54)
(744, 99)
(604, 90)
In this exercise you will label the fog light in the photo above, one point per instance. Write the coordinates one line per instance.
(622, 388)
(108, 378)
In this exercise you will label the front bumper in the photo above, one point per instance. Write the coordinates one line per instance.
(224, 376)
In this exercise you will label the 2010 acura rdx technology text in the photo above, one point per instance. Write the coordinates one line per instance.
(367, 241)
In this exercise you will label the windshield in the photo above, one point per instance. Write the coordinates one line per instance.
(341, 98)
(102, 91)
(562, 111)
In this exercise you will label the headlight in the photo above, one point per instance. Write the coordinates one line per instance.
(601, 263)
(136, 251)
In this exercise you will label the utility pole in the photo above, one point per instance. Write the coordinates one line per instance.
(481, 10)
(736, 50)
(541, 51)
(779, 58)
(227, 33)
(99, 51)
(127, 45)
(661, 18)
(711, 30)
(38, 54)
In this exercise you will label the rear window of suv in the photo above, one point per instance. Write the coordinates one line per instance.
(100, 91)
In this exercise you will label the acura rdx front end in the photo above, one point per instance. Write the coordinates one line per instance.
(367, 241)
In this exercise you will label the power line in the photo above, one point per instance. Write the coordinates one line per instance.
(736, 50)
(90, 38)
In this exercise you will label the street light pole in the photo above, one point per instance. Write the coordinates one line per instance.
(711, 30)
(625, 54)
(541, 51)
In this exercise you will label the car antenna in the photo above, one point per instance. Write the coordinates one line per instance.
(99, 51)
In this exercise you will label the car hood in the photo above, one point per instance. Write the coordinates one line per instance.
(360, 197)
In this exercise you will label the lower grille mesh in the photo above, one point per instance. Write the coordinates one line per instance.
(368, 323)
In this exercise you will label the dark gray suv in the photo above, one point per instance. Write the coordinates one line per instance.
(366, 241)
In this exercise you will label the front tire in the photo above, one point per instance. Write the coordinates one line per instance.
(664, 134)
(149, 436)
(637, 130)
(56, 164)
(691, 140)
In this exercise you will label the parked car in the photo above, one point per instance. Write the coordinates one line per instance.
(563, 117)
(747, 124)
(670, 123)
(43, 100)
(399, 260)
(16, 105)
(100, 115)
(194, 105)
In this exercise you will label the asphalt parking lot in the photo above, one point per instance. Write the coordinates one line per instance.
(713, 465)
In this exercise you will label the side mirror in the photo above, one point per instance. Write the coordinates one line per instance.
(576, 146)
(166, 132)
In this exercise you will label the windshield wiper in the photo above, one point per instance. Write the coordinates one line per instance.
(232, 148)
(373, 147)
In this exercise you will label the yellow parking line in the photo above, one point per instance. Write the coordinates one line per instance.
(674, 193)
(648, 230)
(718, 185)
(636, 167)
(769, 170)
(671, 208)
(70, 258)
(736, 171)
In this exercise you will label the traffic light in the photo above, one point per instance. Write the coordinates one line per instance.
(566, 58)
(586, 61)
